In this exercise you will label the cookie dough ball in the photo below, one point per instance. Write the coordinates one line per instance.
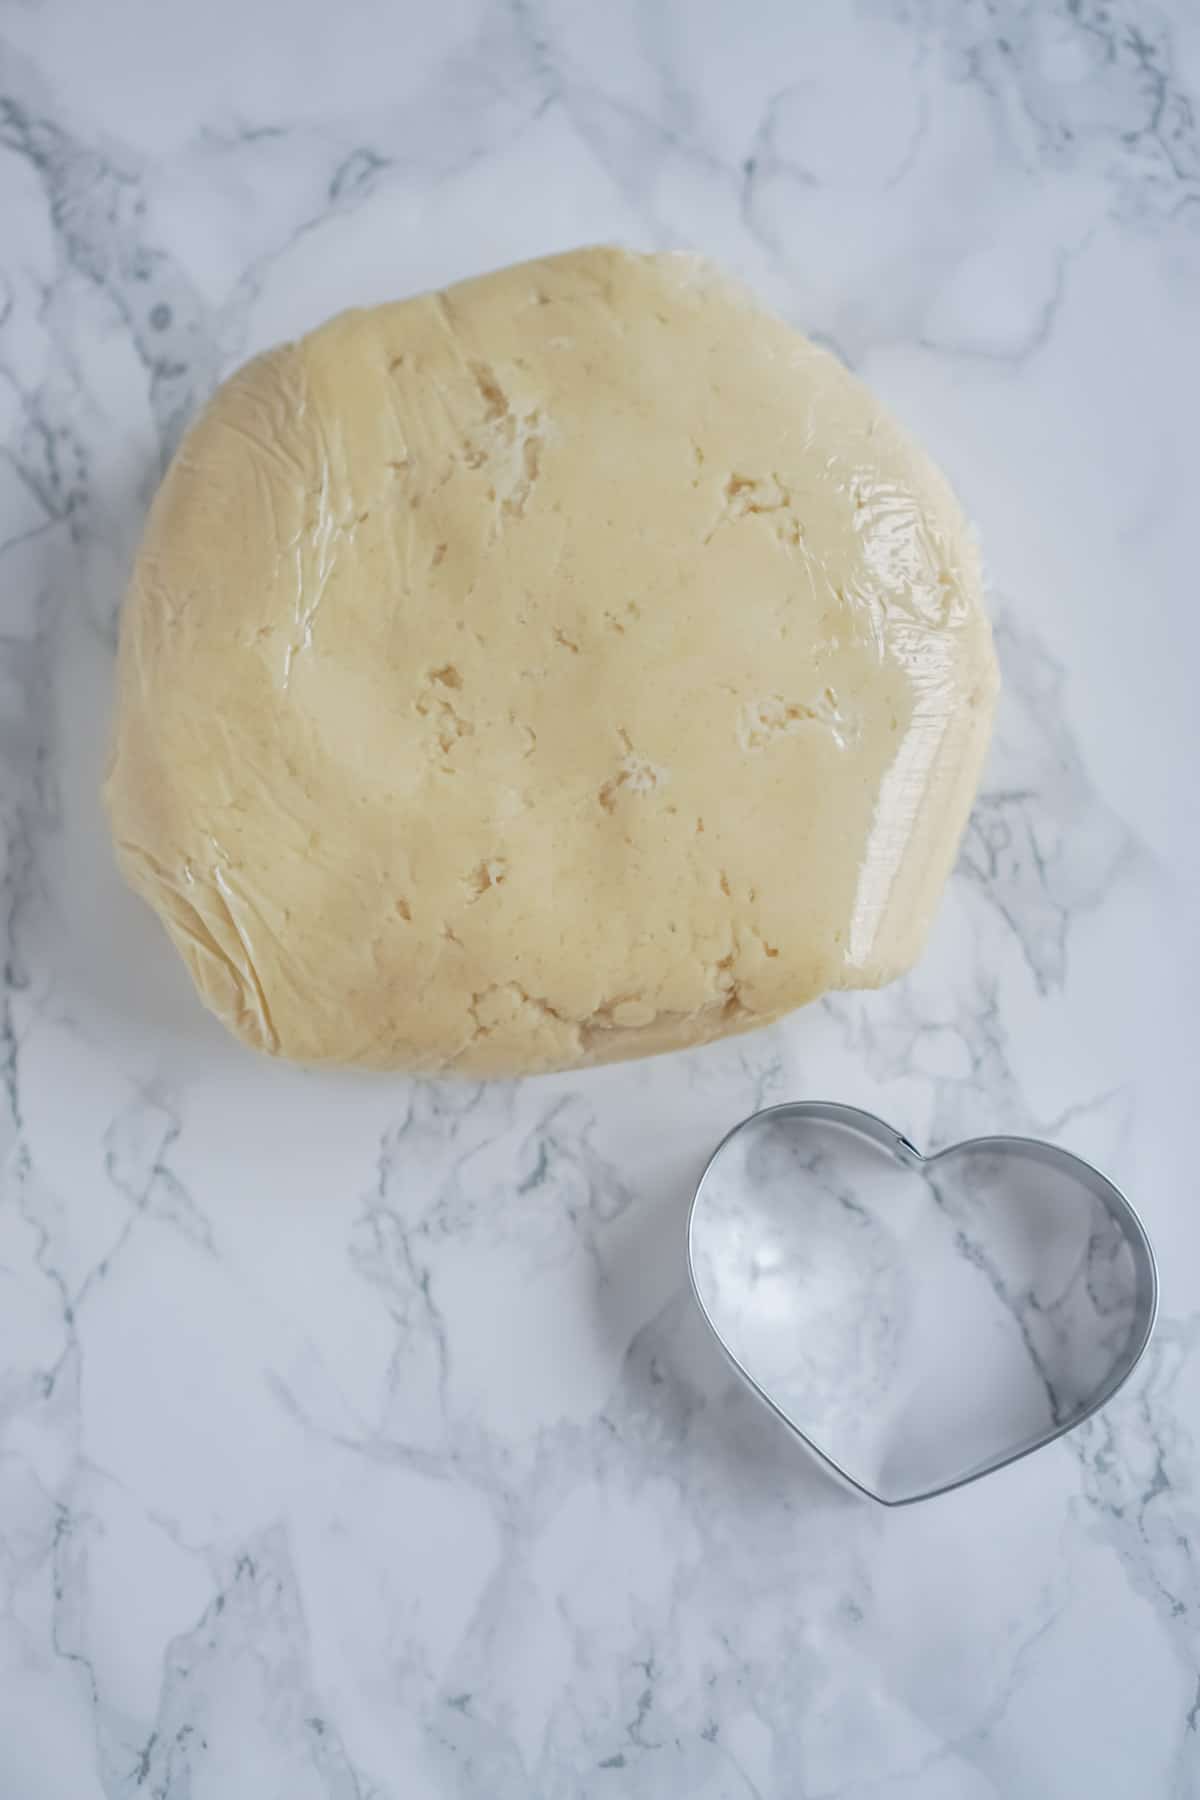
(572, 665)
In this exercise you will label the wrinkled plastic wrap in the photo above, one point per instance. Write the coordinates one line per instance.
(572, 665)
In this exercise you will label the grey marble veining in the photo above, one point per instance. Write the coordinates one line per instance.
(361, 1439)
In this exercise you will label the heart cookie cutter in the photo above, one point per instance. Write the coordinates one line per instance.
(1100, 1270)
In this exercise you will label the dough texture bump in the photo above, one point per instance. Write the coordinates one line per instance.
(574, 664)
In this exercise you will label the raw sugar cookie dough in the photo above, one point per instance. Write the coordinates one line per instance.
(571, 665)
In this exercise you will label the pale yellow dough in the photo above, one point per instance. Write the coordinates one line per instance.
(572, 665)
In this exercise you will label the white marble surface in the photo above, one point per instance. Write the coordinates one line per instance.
(357, 1438)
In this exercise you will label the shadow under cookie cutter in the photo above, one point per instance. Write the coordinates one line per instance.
(1111, 1282)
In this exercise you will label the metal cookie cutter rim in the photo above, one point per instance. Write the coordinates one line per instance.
(863, 1124)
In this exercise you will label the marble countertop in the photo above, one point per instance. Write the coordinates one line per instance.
(358, 1439)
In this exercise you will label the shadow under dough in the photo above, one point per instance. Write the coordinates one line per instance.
(106, 955)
